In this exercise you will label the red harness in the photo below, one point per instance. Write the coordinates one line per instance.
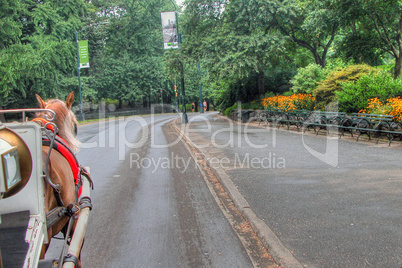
(61, 146)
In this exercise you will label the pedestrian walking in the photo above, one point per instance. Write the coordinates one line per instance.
(205, 105)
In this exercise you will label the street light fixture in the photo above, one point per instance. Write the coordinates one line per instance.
(78, 62)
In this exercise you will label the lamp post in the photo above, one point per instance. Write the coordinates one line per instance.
(199, 74)
(175, 94)
(78, 63)
(183, 91)
(162, 99)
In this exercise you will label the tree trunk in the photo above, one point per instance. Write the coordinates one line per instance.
(398, 66)
(398, 55)
(2, 118)
(261, 83)
(318, 59)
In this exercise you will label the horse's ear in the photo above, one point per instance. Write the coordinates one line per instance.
(70, 99)
(42, 104)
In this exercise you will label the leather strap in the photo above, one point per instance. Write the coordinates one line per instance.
(54, 215)
(71, 258)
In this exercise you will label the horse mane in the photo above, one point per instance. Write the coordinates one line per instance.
(65, 120)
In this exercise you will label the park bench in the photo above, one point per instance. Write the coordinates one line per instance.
(371, 124)
(246, 115)
(270, 116)
(243, 115)
(262, 117)
(294, 118)
(324, 120)
(394, 132)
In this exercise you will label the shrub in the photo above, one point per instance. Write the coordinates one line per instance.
(253, 105)
(325, 92)
(355, 96)
(230, 110)
(308, 78)
(188, 107)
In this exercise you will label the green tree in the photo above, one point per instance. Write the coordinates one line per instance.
(311, 24)
(386, 18)
(37, 48)
(10, 24)
(130, 69)
(378, 20)
(230, 42)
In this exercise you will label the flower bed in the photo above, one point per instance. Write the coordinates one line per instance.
(289, 103)
(393, 106)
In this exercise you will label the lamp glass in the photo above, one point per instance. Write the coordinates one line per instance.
(11, 168)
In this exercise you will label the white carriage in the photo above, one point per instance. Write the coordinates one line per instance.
(23, 226)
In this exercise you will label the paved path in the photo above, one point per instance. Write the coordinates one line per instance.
(152, 207)
(333, 203)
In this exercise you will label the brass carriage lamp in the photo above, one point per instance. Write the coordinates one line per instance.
(15, 163)
(10, 174)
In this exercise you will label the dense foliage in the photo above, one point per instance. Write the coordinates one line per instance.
(325, 92)
(233, 50)
(308, 78)
(38, 50)
(355, 96)
(245, 43)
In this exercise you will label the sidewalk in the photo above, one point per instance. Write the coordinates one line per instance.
(316, 201)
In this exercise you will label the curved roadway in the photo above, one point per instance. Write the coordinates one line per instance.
(152, 207)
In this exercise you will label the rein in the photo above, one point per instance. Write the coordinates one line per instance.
(50, 130)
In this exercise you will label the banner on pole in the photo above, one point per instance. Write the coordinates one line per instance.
(169, 28)
(83, 53)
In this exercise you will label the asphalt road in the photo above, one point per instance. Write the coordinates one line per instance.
(152, 207)
(332, 203)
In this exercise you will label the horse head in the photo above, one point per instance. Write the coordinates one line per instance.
(65, 119)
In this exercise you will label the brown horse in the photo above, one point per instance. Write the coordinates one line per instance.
(58, 168)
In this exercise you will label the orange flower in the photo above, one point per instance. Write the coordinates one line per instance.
(288, 103)
(393, 106)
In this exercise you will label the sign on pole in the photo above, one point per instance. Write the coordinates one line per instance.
(83, 53)
(169, 28)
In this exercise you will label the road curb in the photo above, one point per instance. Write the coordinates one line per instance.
(278, 251)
